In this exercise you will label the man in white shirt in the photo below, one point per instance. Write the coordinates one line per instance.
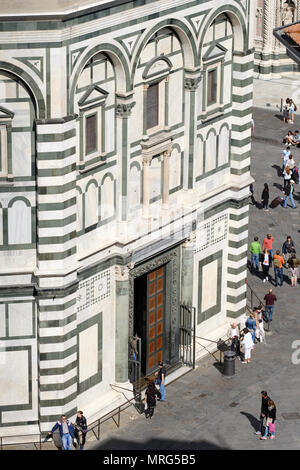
(285, 156)
(234, 334)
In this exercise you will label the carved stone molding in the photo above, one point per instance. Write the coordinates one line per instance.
(124, 109)
(192, 84)
(190, 241)
(122, 272)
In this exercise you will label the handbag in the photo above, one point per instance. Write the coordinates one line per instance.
(271, 427)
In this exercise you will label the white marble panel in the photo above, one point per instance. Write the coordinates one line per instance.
(209, 35)
(148, 53)
(107, 199)
(22, 113)
(91, 206)
(14, 378)
(134, 187)
(88, 353)
(175, 98)
(209, 285)
(199, 158)
(164, 46)
(175, 168)
(79, 207)
(21, 153)
(20, 319)
(2, 320)
(85, 78)
(1, 226)
(227, 81)
(211, 152)
(220, 30)
(99, 72)
(109, 130)
(19, 223)
(223, 146)
(155, 177)
(7, 89)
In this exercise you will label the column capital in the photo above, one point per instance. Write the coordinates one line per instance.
(190, 241)
(122, 272)
(124, 109)
(192, 84)
(146, 160)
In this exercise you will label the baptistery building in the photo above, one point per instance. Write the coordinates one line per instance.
(125, 136)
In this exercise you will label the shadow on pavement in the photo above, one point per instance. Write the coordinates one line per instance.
(253, 421)
(156, 444)
(278, 169)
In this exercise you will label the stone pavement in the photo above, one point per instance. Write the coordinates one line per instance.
(205, 410)
(268, 93)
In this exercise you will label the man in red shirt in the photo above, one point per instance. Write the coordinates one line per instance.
(268, 243)
(270, 298)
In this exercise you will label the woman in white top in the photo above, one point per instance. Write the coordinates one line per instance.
(291, 162)
(248, 344)
(260, 332)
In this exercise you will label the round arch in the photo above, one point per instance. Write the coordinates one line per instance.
(119, 62)
(94, 182)
(19, 198)
(107, 175)
(185, 35)
(240, 39)
(18, 74)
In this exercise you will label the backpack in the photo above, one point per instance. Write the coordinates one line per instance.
(276, 262)
(295, 107)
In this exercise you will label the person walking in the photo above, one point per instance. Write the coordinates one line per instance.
(292, 110)
(295, 174)
(66, 431)
(270, 299)
(247, 342)
(251, 325)
(271, 419)
(260, 332)
(289, 191)
(265, 197)
(234, 335)
(294, 272)
(287, 176)
(268, 243)
(150, 397)
(255, 251)
(287, 247)
(266, 263)
(263, 411)
(161, 379)
(278, 262)
(285, 156)
(80, 428)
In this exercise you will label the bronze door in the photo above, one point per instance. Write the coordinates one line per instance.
(155, 318)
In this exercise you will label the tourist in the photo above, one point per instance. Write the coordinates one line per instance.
(150, 397)
(287, 176)
(294, 272)
(287, 247)
(80, 428)
(293, 109)
(278, 262)
(285, 156)
(295, 174)
(297, 138)
(162, 380)
(289, 139)
(268, 243)
(263, 411)
(260, 332)
(289, 191)
(234, 335)
(270, 299)
(66, 431)
(291, 162)
(271, 418)
(251, 325)
(255, 251)
(265, 197)
(247, 342)
(286, 111)
(266, 263)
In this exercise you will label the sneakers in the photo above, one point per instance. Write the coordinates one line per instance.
(263, 438)
(264, 280)
(272, 437)
(267, 278)
(258, 433)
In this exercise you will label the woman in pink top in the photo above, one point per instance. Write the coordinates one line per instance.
(268, 244)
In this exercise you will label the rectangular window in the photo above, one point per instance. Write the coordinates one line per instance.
(152, 106)
(91, 134)
(212, 86)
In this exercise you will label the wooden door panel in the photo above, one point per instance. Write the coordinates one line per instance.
(155, 317)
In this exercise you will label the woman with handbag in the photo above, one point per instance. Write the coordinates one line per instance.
(150, 396)
(270, 424)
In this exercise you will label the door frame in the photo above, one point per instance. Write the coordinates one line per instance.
(171, 259)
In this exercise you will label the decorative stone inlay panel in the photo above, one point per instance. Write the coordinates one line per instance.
(93, 290)
(211, 233)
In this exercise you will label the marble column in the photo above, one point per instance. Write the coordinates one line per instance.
(166, 178)
(188, 269)
(146, 186)
(122, 318)
(190, 84)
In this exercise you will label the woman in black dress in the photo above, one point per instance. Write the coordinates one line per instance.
(265, 197)
(150, 396)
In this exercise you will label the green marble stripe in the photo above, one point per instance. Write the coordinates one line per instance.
(57, 206)
(237, 271)
(56, 171)
(242, 98)
(242, 83)
(57, 256)
(241, 128)
(57, 223)
(59, 370)
(237, 258)
(231, 204)
(239, 217)
(56, 155)
(20, 246)
(214, 120)
(240, 157)
(57, 240)
(56, 189)
(58, 386)
(238, 244)
(238, 230)
(58, 401)
(237, 299)
(248, 66)
(53, 418)
(242, 113)
(103, 166)
(56, 137)
(234, 171)
(236, 285)
(58, 307)
(57, 355)
(58, 339)
(236, 314)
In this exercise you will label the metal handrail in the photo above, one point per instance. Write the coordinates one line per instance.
(35, 443)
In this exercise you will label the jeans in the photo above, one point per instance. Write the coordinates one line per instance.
(235, 345)
(162, 389)
(254, 259)
(269, 312)
(67, 441)
(278, 273)
(290, 197)
(267, 432)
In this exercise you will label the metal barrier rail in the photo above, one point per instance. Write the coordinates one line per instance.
(39, 443)
(220, 343)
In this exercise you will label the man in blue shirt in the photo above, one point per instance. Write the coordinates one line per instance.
(66, 431)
